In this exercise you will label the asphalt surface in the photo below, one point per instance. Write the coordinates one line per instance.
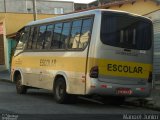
(40, 104)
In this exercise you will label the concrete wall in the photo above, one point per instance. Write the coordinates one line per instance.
(43, 6)
(155, 17)
(15, 21)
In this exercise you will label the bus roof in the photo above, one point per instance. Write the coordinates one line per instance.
(74, 15)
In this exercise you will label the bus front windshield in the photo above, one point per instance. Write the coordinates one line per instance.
(126, 31)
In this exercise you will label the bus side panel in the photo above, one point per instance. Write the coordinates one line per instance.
(28, 65)
(69, 65)
(41, 69)
(92, 51)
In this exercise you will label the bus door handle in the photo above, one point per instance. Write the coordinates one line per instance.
(54, 61)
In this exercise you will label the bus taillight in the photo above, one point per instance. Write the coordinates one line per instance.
(150, 77)
(94, 72)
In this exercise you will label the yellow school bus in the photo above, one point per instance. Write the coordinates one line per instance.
(95, 52)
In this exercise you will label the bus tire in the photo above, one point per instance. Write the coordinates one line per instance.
(21, 89)
(60, 93)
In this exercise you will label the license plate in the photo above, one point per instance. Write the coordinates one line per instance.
(124, 91)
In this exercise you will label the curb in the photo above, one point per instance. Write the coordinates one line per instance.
(149, 106)
(153, 108)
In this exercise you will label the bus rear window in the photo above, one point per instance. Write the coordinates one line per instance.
(126, 31)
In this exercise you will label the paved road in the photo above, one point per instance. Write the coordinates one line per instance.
(38, 102)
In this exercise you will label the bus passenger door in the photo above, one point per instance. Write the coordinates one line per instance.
(79, 43)
(32, 70)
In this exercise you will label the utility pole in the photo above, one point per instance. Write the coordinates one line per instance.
(34, 10)
(5, 9)
(99, 3)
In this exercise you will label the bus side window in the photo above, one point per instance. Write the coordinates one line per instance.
(65, 34)
(85, 33)
(34, 39)
(56, 42)
(75, 34)
(48, 36)
(29, 43)
(41, 37)
(22, 38)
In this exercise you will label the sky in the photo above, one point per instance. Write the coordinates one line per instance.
(79, 1)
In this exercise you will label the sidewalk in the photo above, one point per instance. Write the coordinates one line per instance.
(152, 102)
(5, 75)
(155, 96)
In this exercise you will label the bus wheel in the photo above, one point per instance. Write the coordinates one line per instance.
(21, 89)
(60, 93)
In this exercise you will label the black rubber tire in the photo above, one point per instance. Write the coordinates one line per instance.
(21, 89)
(60, 93)
(114, 100)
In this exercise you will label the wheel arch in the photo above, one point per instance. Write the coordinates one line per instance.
(17, 72)
(64, 76)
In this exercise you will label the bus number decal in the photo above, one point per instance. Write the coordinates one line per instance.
(46, 62)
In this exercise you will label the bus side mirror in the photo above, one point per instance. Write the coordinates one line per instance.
(18, 36)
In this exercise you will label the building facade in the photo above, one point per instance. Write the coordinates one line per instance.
(10, 23)
(14, 14)
(42, 6)
(80, 6)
